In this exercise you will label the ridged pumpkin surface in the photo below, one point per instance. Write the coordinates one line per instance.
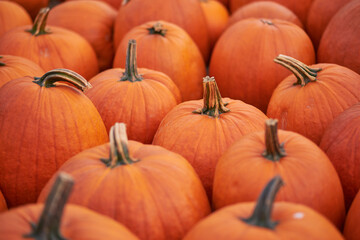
(12, 15)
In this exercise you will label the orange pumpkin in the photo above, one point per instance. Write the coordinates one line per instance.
(51, 47)
(152, 191)
(201, 130)
(93, 20)
(3, 206)
(12, 15)
(43, 123)
(351, 228)
(167, 48)
(308, 101)
(113, 3)
(57, 220)
(12, 67)
(265, 220)
(139, 98)
(32, 6)
(244, 67)
(186, 14)
(251, 161)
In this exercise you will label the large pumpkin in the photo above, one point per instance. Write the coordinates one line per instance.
(201, 130)
(154, 192)
(265, 220)
(242, 60)
(57, 220)
(43, 123)
(51, 47)
(12, 15)
(308, 101)
(139, 98)
(253, 160)
(165, 47)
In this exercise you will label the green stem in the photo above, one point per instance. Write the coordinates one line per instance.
(158, 28)
(48, 226)
(302, 72)
(1, 63)
(213, 103)
(63, 75)
(119, 151)
(261, 216)
(266, 21)
(274, 150)
(131, 72)
(40, 23)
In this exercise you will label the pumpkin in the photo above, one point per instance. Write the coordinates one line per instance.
(12, 15)
(320, 14)
(217, 17)
(265, 219)
(93, 20)
(340, 42)
(113, 3)
(57, 220)
(243, 66)
(139, 98)
(155, 193)
(308, 101)
(310, 177)
(340, 143)
(264, 10)
(12, 67)
(186, 14)
(42, 124)
(32, 6)
(51, 47)
(351, 229)
(300, 8)
(165, 47)
(201, 130)
(3, 206)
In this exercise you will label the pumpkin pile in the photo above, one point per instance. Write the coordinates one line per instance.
(179, 119)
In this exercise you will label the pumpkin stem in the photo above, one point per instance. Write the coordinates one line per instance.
(266, 21)
(1, 63)
(213, 103)
(158, 28)
(40, 23)
(124, 2)
(274, 150)
(48, 226)
(63, 75)
(131, 74)
(302, 72)
(119, 151)
(261, 216)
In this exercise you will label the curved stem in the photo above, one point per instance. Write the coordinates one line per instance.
(131, 74)
(303, 73)
(1, 63)
(119, 151)
(40, 22)
(63, 75)
(48, 226)
(261, 216)
(158, 28)
(274, 150)
(213, 103)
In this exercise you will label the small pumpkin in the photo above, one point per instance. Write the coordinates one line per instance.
(12, 15)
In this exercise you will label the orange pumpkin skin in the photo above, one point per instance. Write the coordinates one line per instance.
(224, 2)
(12, 67)
(308, 110)
(174, 54)
(41, 127)
(32, 6)
(308, 173)
(253, 77)
(60, 48)
(186, 14)
(338, 43)
(340, 143)
(351, 227)
(77, 223)
(12, 15)
(93, 20)
(266, 10)
(113, 3)
(3, 205)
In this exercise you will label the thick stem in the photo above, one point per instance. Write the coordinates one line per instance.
(119, 151)
(1, 63)
(131, 74)
(48, 226)
(158, 28)
(213, 103)
(63, 75)
(274, 150)
(40, 23)
(303, 73)
(261, 216)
